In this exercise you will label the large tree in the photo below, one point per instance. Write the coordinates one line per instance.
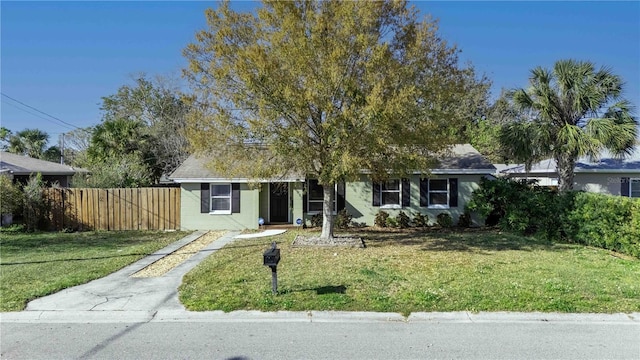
(327, 89)
(570, 111)
(484, 131)
(118, 155)
(161, 107)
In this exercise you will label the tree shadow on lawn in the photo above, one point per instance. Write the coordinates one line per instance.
(456, 239)
(320, 290)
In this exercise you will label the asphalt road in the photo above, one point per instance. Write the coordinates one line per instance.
(336, 339)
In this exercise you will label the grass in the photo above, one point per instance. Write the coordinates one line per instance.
(407, 272)
(39, 264)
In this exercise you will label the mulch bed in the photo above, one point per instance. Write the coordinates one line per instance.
(342, 241)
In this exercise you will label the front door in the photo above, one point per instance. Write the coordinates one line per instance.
(279, 202)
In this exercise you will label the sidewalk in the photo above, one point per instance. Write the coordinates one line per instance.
(121, 292)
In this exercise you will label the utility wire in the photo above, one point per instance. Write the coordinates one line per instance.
(34, 114)
(41, 112)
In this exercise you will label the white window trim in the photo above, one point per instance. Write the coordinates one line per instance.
(631, 180)
(309, 201)
(399, 191)
(211, 197)
(429, 191)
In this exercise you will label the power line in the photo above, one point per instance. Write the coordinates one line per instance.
(34, 114)
(40, 111)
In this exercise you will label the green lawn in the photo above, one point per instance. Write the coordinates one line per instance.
(35, 265)
(411, 271)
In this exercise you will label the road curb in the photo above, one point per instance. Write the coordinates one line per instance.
(93, 316)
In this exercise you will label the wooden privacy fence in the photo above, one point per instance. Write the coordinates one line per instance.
(114, 209)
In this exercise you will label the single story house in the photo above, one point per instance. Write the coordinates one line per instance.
(607, 174)
(20, 168)
(211, 201)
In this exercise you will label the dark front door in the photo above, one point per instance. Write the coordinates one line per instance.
(279, 202)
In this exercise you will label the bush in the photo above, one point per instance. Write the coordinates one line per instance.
(316, 220)
(35, 207)
(420, 220)
(402, 220)
(381, 219)
(606, 221)
(13, 229)
(464, 220)
(391, 222)
(444, 220)
(521, 207)
(10, 196)
(343, 219)
(610, 222)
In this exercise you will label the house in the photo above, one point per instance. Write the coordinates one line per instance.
(606, 175)
(20, 168)
(211, 201)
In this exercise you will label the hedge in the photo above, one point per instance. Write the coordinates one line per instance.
(610, 222)
(606, 221)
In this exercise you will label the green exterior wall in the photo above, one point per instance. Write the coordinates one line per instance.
(296, 200)
(359, 195)
(192, 219)
(254, 203)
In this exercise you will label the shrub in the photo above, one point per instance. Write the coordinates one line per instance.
(444, 220)
(402, 220)
(381, 219)
(610, 222)
(521, 207)
(13, 229)
(35, 207)
(420, 220)
(464, 220)
(10, 195)
(391, 222)
(343, 219)
(316, 220)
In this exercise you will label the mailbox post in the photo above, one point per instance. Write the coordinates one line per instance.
(271, 258)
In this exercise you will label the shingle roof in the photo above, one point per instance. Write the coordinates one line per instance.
(459, 159)
(24, 165)
(465, 157)
(606, 163)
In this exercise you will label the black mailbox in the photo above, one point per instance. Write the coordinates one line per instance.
(272, 256)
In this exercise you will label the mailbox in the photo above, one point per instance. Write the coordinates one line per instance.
(272, 256)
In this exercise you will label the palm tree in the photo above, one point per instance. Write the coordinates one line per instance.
(30, 142)
(571, 111)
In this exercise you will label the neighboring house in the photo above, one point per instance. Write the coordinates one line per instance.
(21, 167)
(214, 201)
(606, 175)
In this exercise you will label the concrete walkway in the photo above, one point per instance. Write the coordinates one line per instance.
(121, 292)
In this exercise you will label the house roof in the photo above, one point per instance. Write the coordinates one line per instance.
(606, 163)
(460, 159)
(195, 169)
(464, 158)
(24, 165)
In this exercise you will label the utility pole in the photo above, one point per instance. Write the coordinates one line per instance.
(62, 149)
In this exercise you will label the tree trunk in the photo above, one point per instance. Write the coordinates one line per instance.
(564, 166)
(327, 212)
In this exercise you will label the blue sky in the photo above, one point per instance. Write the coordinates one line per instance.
(62, 57)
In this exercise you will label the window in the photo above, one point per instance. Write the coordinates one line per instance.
(315, 197)
(438, 193)
(634, 188)
(220, 198)
(390, 192)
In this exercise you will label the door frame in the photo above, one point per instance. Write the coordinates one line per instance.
(288, 200)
